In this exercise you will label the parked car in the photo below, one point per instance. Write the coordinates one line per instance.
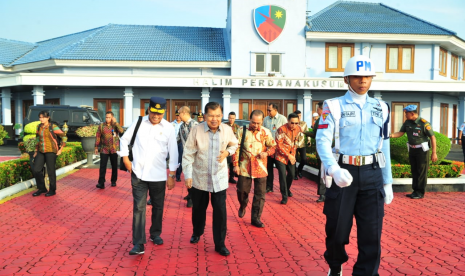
(75, 116)
(239, 122)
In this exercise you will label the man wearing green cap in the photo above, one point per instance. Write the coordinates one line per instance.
(418, 131)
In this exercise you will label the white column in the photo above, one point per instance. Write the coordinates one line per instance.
(128, 106)
(307, 112)
(19, 111)
(377, 95)
(6, 107)
(38, 94)
(226, 102)
(205, 97)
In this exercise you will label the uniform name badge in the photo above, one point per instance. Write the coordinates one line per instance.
(381, 159)
(425, 146)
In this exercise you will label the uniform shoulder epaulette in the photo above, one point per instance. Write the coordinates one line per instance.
(423, 120)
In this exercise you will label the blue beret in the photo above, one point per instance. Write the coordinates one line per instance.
(411, 107)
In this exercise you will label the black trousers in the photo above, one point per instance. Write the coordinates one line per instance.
(463, 147)
(364, 199)
(103, 167)
(302, 152)
(139, 193)
(321, 185)
(179, 169)
(270, 178)
(200, 200)
(48, 158)
(419, 163)
(285, 181)
(244, 184)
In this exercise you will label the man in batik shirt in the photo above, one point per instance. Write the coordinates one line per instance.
(107, 142)
(251, 163)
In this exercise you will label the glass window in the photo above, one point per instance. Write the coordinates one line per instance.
(245, 111)
(442, 62)
(101, 109)
(337, 55)
(400, 58)
(393, 58)
(79, 116)
(406, 59)
(260, 63)
(332, 58)
(444, 120)
(275, 63)
(115, 108)
(454, 67)
(60, 115)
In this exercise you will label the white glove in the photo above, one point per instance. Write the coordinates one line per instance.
(389, 194)
(342, 177)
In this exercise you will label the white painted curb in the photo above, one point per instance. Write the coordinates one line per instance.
(407, 181)
(18, 187)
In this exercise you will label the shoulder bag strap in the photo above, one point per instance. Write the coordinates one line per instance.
(135, 131)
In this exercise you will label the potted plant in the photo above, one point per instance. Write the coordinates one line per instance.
(88, 135)
(3, 135)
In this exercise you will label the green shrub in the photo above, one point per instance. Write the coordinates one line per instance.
(447, 169)
(21, 147)
(399, 151)
(14, 171)
(31, 128)
(28, 137)
(3, 135)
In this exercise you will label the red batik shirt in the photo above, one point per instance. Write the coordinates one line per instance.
(255, 142)
(286, 141)
(108, 138)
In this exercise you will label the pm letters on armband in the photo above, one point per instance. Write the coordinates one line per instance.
(322, 126)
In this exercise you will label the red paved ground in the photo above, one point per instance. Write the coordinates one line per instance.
(83, 230)
(6, 158)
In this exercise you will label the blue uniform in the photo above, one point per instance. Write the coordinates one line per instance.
(360, 132)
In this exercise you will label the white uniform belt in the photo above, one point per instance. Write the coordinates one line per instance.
(415, 146)
(357, 160)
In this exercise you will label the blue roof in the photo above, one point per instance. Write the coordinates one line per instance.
(10, 50)
(361, 17)
(133, 43)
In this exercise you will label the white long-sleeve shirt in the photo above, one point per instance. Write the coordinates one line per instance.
(151, 148)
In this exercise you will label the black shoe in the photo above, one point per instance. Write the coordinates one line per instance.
(232, 181)
(300, 174)
(223, 251)
(410, 195)
(186, 197)
(289, 194)
(284, 201)
(241, 212)
(269, 190)
(195, 239)
(113, 184)
(100, 186)
(189, 203)
(296, 178)
(156, 240)
(50, 193)
(178, 180)
(321, 199)
(149, 202)
(258, 224)
(38, 193)
(137, 250)
(415, 196)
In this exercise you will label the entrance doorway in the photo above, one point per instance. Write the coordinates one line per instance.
(285, 107)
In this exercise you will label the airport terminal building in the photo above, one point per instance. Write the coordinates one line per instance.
(269, 51)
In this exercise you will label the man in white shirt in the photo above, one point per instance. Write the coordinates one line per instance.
(154, 140)
(206, 173)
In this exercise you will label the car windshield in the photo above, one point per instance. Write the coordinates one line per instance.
(95, 117)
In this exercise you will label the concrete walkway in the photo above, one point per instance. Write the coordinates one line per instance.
(86, 231)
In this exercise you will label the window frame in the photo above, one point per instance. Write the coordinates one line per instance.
(441, 64)
(400, 48)
(454, 59)
(339, 55)
(268, 63)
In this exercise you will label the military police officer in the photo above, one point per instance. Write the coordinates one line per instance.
(360, 169)
(418, 130)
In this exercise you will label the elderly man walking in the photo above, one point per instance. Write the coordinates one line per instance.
(250, 160)
(154, 139)
(206, 173)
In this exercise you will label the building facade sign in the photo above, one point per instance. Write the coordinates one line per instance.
(269, 83)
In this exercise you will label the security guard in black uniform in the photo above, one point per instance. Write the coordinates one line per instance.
(418, 130)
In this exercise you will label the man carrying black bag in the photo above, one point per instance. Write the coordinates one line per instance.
(154, 140)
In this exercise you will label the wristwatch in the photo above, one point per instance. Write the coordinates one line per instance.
(172, 176)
